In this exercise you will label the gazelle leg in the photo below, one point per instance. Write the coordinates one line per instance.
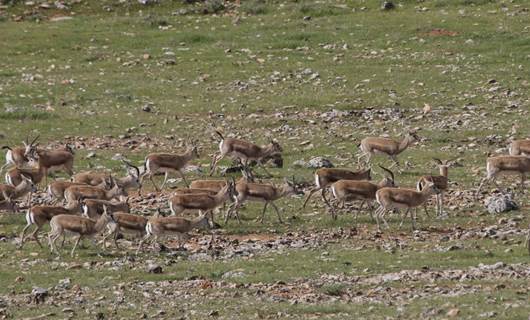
(277, 212)
(324, 198)
(153, 182)
(34, 236)
(404, 217)
(144, 239)
(75, 245)
(216, 158)
(263, 212)
(184, 178)
(523, 178)
(166, 175)
(427, 211)
(309, 196)
(22, 235)
(378, 213)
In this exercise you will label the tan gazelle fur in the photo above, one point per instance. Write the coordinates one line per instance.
(173, 226)
(51, 160)
(125, 223)
(203, 202)
(244, 151)
(93, 208)
(57, 188)
(11, 193)
(324, 177)
(216, 185)
(75, 192)
(76, 225)
(397, 198)
(348, 190)
(261, 192)
(94, 178)
(168, 162)
(386, 146)
(505, 165)
(441, 182)
(15, 157)
(520, 147)
(40, 215)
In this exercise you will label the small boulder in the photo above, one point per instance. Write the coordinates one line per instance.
(38, 295)
(154, 268)
(500, 203)
(319, 162)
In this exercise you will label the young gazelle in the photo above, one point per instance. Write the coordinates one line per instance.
(520, 147)
(441, 182)
(168, 162)
(386, 146)
(348, 190)
(125, 223)
(89, 192)
(397, 198)
(76, 225)
(51, 160)
(505, 165)
(261, 192)
(93, 208)
(40, 215)
(172, 226)
(203, 202)
(57, 188)
(11, 193)
(244, 151)
(324, 177)
(94, 178)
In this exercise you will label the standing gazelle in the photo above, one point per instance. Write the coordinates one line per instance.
(397, 198)
(15, 157)
(51, 160)
(244, 151)
(386, 146)
(441, 182)
(520, 147)
(347, 190)
(505, 165)
(324, 177)
(76, 225)
(168, 162)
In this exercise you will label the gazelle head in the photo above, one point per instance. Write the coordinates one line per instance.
(432, 187)
(31, 148)
(29, 181)
(192, 146)
(388, 180)
(134, 172)
(413, 135)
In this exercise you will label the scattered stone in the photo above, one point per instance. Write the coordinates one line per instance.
(388, 5)
(453, 312)
(238, 273)
(38, 295)
(500, 203)
(154, 268)
(91, 155)
(319, 162)
(147, 108)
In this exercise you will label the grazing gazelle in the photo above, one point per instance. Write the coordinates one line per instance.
(203, 202)
(244, 151)
(173, 226)
(386, 146)
(397, 198)
(76, 192)
(261, 192)
(520, 147)
(324, 177)
(51, 160)
(76, 225)
(94, 178)
(348, 190)
(57, 188)
(168, 162)
(505, 165)
(441, 182)
(40, 215)
(125, 223)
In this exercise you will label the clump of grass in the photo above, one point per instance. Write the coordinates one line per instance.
(319, 11)
(196, 38)
(26, 115)
(156, 22)
(255, 7)
(335, 289)
(212, 7)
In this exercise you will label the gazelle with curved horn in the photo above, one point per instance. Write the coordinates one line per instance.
(386, 146)
(505, 165)
(50, 160)
(94, 178)
(169, 162)
(397, 198)
(262, 192)
(324, 177)
(441, 182)
(520, 147)
(348, 190)
(244, 151)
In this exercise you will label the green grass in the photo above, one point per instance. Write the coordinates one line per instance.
(199, 71)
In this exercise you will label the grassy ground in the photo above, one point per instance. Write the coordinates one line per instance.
(272, 69)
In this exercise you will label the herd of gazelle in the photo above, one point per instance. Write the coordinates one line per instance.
(102, 199)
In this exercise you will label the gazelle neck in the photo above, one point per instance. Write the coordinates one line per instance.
(404, 144)
(444, 171)
(101, 222)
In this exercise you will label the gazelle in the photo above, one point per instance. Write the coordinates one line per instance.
(76, 225)
(202, 201)
(347, 190)
(11, 193)
(520, 147)
(244, 151)
(76, 192)
(173, 226)
(51, 160)
(40, 215)
(505, 165)
(93, 178)
(93, 208)
(168, 162)
(441, 182)
(15, 157)
(324, 177)
(14, 175)
(125, 223)
(397, 198)
(261, 192)
(57, 188)
(386, 146)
